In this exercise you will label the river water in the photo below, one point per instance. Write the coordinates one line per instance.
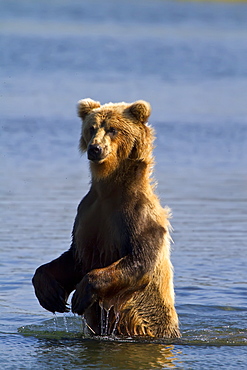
(189, 61)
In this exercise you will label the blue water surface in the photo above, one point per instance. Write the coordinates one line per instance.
(188, 59)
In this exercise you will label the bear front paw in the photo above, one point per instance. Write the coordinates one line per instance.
(50, 293)
(83, 297)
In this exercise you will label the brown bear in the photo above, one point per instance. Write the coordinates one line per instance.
(119, 259)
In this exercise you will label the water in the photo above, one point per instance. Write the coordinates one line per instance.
(189, 61)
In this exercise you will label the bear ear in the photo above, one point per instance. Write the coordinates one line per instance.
(140, 110)
(85, 106)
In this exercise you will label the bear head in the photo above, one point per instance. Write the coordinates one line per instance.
(113, 133)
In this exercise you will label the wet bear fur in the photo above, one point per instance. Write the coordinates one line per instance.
(119, 259)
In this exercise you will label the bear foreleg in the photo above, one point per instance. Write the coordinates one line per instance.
(119, 279)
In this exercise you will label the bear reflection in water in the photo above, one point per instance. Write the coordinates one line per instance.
(119, 257)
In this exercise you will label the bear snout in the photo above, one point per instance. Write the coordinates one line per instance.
(94, 152)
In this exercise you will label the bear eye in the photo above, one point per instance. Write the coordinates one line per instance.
(112, 131)
(91, 130)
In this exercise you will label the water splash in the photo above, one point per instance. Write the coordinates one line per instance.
(115, 324)
(105, 326)
(83, 324)
(65, 323)
(102, 321)
(86, 329)
(107, 320)
(55, 321)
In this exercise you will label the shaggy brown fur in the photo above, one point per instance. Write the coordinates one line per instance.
(120, 253)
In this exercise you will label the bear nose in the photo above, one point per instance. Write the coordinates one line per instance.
(94, 152)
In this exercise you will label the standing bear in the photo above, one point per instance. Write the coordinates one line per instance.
(119, 260)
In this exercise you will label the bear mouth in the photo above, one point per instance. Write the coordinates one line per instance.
(96, 160)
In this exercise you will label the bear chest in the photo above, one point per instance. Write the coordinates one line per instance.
(101, 235)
